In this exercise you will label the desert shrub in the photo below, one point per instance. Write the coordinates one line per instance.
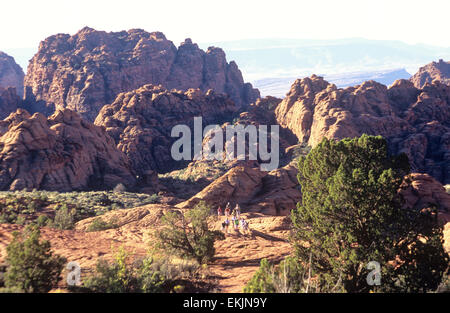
(42, 221)
(99, 224)
(32, 267)
(351, 214)
(123, 276)
(64, 218)
(187, 234)
(115, 277)
(287, 277)
(86, 204)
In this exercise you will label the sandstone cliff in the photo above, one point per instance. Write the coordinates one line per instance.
(434, 71)
(140, 121)
(11, 74)
(62, 152)
(85, 71)
(415, 121)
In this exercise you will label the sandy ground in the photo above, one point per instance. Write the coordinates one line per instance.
(237, 257)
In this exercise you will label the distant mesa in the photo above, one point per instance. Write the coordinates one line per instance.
(85, 71)
(434, 71)
(11, 74)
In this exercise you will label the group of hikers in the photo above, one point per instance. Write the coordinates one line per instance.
(236, 220)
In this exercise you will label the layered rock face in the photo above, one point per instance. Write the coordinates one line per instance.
(275, 193)
(430, 72)
(141, 122)
(415, 121)
(85, 71)
(11, 74)
(62, 152)
(9, 101)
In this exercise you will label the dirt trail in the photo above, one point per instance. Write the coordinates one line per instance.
(238, 256)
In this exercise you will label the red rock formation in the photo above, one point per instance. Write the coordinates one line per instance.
(239, 185)
(422, 191)
(140, 121)
(11, 74)
(62, 152)
(415, 121)
(274, 193)
(85, 71)
(434, 71)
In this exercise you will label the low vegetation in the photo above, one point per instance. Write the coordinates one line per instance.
(62, 210)
(186, 182)
(99, 224)
(287, 277)
(149, 275)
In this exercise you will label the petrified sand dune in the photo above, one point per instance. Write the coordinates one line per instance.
(141, 121)
(415, 121)
(62, 152)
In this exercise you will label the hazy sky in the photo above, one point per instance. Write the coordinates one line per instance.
(26, 23)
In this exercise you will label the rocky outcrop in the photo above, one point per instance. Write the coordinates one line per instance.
(239, 185)
(11, 74)
(415, 121)
(434, 71)
(62, 152)
(422, 191)
(274, 193)
(9, 101)
(85, 71)
(141, 122)
(280, 192)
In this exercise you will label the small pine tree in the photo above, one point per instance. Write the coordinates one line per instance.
(32, 267)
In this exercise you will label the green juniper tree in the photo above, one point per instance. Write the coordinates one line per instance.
(351, 214)
(32, 267)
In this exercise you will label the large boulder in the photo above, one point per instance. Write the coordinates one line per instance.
(274, 193)
(239, 185)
